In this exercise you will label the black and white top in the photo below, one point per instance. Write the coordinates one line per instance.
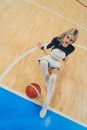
(55, 44)
(58, 53)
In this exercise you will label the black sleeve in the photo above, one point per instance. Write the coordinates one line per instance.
(51, 44)
(70, 50)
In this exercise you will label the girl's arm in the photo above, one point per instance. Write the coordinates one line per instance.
(48, 45)
(40, 45)
(66, 58)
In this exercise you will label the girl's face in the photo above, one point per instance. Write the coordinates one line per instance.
(68, 39)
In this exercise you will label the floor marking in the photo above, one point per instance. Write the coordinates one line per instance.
(15, 62)
(56, 13)
(80, 46)
(38, 103)
(81, 3)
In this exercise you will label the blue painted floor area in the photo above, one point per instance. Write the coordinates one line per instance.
(17, 113)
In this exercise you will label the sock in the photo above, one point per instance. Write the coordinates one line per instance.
(44, 68)
(50, 87)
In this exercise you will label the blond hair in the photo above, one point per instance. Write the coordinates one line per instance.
(72, 31)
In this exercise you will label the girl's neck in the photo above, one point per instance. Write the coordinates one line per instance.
(64, 45)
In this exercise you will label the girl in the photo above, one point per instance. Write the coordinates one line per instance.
(61, 48)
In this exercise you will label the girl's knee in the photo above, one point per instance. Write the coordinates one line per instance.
(53, 77)
(54, 71)
(44, 62)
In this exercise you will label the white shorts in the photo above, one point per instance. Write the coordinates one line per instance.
(52, 64)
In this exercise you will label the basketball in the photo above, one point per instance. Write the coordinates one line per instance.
(33, 90)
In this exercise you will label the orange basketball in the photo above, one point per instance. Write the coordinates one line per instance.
(33, 90)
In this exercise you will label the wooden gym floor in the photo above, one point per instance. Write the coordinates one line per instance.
(23, 23)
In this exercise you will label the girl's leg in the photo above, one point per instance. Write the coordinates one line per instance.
(50, 88)
(44, 68)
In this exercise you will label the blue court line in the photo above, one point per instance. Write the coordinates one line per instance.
(17, 113)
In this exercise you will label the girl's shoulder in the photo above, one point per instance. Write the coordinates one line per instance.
(56, 39)
(71, 47)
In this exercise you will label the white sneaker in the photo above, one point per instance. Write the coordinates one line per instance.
(43, 112)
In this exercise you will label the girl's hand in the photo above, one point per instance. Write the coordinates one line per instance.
(40, 45)
(66, 59)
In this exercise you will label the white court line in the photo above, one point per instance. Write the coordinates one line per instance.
(38, 103)
(56, 13)
(15, 62)
(80, 46)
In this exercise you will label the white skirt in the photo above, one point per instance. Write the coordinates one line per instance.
(52, 64)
